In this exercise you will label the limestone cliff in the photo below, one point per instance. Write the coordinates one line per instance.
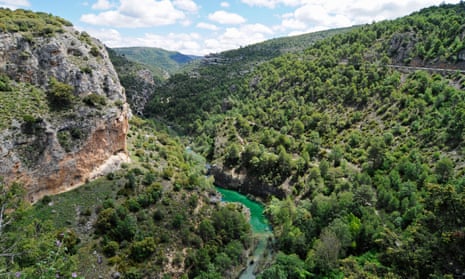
(64, 144)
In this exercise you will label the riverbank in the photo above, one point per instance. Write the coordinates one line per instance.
(262, 233)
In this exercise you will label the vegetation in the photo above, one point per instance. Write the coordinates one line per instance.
(37, 24)
(95, 100)
(204, 88)
(162, 63)
(140, 221)
(370, 155)
(20, 101)
(60, 95)
(366, 145)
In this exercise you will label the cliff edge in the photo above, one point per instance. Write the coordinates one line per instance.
(65, 116)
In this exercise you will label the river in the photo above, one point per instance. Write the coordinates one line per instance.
(260, 229)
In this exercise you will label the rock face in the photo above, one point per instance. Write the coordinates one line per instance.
(139, 95)
(244, 184)
(63, 147)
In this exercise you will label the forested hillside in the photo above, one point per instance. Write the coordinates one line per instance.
(203, 88)
(362, 131)
(162, 63)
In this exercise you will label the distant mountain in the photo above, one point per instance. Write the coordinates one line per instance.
(163, 63)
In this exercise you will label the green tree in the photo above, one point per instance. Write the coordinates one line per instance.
(286, 267)
(444, 169)
(326, 251)
(60, 94)
(232, 154)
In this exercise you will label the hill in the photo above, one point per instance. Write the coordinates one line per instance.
(163, 63)
(138, 80)
(204, 86)
(356, 144)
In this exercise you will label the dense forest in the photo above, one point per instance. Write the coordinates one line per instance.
(365, 139)
(361, 129)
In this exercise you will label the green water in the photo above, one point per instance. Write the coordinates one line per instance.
(258, 222)
(260, 228)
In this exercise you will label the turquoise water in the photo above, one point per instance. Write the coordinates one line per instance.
(258, 222)
(260, 228)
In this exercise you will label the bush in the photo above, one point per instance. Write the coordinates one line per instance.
(94, 51)
(64, 138)
(110, 248)
(5, 83)
(46, 199)
(60, 94)
(141, 250)
(95, 100)
(158, 215)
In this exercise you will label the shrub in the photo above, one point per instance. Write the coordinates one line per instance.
(5, 83)
(64, 138)
(46, 199)
(30, 123)
(94, 51)
(110, 248)
(158, 215)
(141, 250)
(60, 94)
(95, 100)
(86, 70)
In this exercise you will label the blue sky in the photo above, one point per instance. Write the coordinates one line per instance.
(207, 26)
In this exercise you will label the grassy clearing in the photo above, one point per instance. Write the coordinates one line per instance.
(68, 208)
(23, 100)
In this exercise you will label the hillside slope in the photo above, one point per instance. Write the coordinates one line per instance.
(360, 136)
(204, 86)
(138, 80)
(162, 63)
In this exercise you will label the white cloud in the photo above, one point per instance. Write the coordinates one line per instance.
(182, 42)
(187, 43)
(236, 37)
(318, 15)
(186, 5)
(273, 3)
(14, 4)
(225, 4)
(302, 16)
(224, 17)
(110, 37)
(314, 15)
(102, 5)
(208, 26)
(145, 14)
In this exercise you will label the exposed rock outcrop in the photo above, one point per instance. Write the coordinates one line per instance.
(65, 146)
(243, 184)
(141, 91)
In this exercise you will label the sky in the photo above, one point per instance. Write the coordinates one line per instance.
(200, 27)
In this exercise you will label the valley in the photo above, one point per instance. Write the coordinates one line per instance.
(352, 140)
